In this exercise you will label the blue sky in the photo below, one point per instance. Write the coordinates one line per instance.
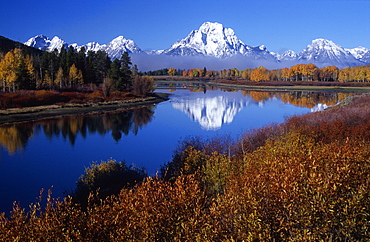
(157, 24)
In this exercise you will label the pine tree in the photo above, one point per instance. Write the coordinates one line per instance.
(125, 73)
(134, 71)
(63, 60)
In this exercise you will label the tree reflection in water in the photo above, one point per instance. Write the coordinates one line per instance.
(15, 137)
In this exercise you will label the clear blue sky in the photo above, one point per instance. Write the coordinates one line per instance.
(157, 24)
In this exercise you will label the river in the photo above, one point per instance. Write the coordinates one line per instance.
(53, 153)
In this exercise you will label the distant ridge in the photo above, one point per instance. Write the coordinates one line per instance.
(7, 45)
(114, 49)
(214, 40)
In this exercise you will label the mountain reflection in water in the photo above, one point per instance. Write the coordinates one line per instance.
(211, 112)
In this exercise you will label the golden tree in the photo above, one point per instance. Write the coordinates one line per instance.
(286, 74)
(260, 74)
(8, 69)
(75, 76)
(59, 78)
(171, 71)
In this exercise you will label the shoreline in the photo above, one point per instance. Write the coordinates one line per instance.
(292, 88)
(19, 115)
(268, 87)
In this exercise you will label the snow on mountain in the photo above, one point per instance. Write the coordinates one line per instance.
(42, 42)
(288, 55)
(119, 45)
(114, 49)
(154, 52)
(213, 39)
(361, 53)
(324, 52)
(366, 58)
(38, 42)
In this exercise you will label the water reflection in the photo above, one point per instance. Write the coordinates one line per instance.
(218, 108)
(15, 137)
(211, 109)
(211, 112)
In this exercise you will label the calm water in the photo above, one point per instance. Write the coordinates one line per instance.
(55, 152)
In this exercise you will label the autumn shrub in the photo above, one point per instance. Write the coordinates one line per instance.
(95, 96)
(142, 85)
(105, 179)
(74, 97)
(31, 98)
(295, 189)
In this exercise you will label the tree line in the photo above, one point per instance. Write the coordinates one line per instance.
(66, 69)
(299, 72)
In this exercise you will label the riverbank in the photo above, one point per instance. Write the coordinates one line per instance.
(293, 87)
(17, 115)
(268, 86)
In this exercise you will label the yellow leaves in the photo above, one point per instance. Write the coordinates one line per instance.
(10, 65)
(357, 73)
(171, 71)
(75, 76)
(259, 74)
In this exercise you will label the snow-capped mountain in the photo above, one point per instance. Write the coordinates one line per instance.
(324, 52)
(42, 42)
(119, 45)
(213, 39)
(114, 49)
(360, 53)
(288, 55)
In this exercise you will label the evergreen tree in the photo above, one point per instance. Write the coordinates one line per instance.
(134, 70)
(63, 60)
(115, 70)
(71, 57)
(24, 79)
(80, 62)
(125, 73)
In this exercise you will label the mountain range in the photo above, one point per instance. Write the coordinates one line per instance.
(214, 40)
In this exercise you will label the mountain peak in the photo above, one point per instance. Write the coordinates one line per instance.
(114, 49)
(326, 52)
(211, 39)
(119, 39)
(42, 42)
(324, 43)
(208, 27)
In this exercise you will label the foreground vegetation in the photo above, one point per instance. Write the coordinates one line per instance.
(307, 179)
